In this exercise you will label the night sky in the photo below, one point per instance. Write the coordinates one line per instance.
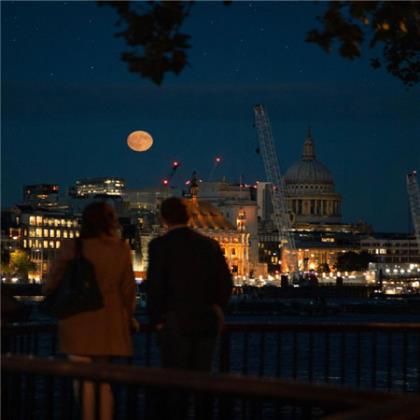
(68, 104)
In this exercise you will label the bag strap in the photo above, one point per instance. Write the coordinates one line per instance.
(78, 250)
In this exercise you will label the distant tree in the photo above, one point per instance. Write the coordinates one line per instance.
(6, 270)
(392, 25)
(157, 45)
(21, 264)
(353, 261)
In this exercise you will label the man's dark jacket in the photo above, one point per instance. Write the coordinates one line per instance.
(187, 275)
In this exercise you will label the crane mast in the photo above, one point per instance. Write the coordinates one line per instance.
(414, 197)
(267, 148)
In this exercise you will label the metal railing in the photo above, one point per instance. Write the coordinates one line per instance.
(366, 356)
(36, 388)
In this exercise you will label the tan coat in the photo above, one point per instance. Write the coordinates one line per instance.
(105, 332)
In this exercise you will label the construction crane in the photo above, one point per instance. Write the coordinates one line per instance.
(414, 197)
(281, 216)
(166, 181)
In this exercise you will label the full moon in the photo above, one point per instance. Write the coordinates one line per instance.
(139, 141)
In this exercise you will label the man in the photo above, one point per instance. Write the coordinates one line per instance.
(189, 284)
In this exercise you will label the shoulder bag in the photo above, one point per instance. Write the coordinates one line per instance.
(77, 290)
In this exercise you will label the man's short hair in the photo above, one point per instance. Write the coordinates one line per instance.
(174, 211)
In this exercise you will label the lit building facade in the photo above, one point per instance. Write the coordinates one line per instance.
(146, 198)
(238, 204)
(41, 195)
(392, 248)
(209, 221)
(98, 186)
(40, 234)
(314, 250)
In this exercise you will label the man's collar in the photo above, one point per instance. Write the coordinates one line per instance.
(176, 227)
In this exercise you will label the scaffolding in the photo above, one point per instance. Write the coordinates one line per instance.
(414, 197)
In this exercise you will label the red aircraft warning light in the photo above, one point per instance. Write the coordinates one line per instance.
(218, 159)
(175, 164)
(165, 182)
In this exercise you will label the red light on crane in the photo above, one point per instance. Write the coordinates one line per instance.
(165, 182)
(218, 159)
(175, 164)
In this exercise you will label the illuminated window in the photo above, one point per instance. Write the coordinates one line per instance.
(57, 244)
(75, 223)
(71, 235)
(51, 244)
(32, 220)
(25, 244)
(63, 222)
(56, 222)
(77, 234)
(69, 223)
(30, 243)
(58, 233)
(39, 220)
(65, 235)
(52, 233)
(38, 232)
(31, 232)
(46, 233)
(45, 244)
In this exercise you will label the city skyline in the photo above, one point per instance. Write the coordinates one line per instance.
(69, 104)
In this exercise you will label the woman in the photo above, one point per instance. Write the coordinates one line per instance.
(95, 336)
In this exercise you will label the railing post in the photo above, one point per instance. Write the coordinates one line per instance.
(224, 362)
(343, 358)
(389, 361)
(262, 355)
(358, 358)
(310, 357)
(245, 353)
(327, 358)
(226, 404)
(373, 361)
(404, 360)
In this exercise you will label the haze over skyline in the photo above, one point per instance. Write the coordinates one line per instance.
(68, 104)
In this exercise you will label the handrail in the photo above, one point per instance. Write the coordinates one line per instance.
(22, 328)
(397, 409)
(333, 327)
(220, 384)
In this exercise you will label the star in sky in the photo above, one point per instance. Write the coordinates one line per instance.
(259, 64)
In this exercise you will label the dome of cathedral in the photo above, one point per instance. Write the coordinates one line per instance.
(308, 170)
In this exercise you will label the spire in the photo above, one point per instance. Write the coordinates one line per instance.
(308, 147)
(194, 186)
